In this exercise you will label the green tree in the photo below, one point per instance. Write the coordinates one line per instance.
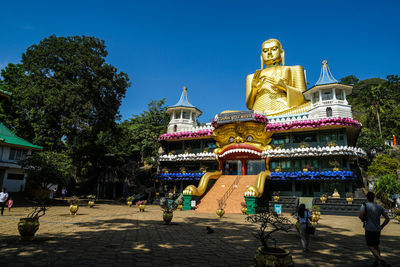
(66, 98)
(144, 130)
(383, 165)
(386, 186)
(63, 88)
(47, 168)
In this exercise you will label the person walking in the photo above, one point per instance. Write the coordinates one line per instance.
(63, 193)
(10, 202)
(370, 214)
(3, 199)
(303, 216)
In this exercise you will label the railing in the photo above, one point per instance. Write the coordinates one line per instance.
(222, 201)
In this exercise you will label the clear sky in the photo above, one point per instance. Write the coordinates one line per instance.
(211, 46)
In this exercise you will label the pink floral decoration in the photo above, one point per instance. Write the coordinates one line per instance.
(312, 124)
(180, 135)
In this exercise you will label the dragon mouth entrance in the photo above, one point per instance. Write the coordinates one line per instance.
(240, 151)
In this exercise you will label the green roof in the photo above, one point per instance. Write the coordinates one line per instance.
(8, 137)
(5, 92)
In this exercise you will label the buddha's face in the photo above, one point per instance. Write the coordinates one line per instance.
(271, 53)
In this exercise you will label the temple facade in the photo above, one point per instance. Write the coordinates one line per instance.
(303, 150)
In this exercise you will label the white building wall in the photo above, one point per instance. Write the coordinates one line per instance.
(14, 185)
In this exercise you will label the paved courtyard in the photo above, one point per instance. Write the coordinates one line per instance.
(116, 235)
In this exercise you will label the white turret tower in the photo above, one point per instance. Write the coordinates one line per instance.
(328, 96)
(183, 114)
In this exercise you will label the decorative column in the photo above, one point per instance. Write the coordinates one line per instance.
(243, 166)
(251, 203)
(187, 202)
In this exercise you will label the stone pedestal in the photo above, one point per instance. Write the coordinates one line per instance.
(187, 202)
(251, 203)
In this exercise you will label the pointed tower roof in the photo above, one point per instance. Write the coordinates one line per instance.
(184, 100)
(184, 103)
(326, 80)
(326, 76)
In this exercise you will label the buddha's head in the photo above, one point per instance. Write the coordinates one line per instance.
(272, 53)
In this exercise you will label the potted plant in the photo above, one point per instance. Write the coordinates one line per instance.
(168, 206)
(141, 204)
(28, 226)
(91, 200)
(323, 198)
(129, 201)
(220, 211)
(275, 196)
(349, 198)
(278, 169)
(179, 202)
(73, 205)
(315, 214)
(397, 214)
(270, 223)
(244, 208)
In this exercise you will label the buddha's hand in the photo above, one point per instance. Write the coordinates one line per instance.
(276, 81)
(257, 81)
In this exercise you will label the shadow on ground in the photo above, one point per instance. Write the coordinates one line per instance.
(137, 242)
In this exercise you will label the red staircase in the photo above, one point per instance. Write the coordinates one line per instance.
(209, 202)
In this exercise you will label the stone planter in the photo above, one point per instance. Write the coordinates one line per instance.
(73, 209)
(244, 210)
(220, 212)
(315, 215)
(142, 207)
(27, 228)
(276, 198)
(167, 217)
(349, 200)
(275, 257)
(129, 203)
(91, 204)
(398, 218)
(180, 207)
(323, 199)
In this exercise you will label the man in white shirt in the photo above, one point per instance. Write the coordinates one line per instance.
(371, 213)
(3, 199)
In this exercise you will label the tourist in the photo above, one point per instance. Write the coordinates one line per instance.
(63, 193)
(10, 202)
(3, 200)
(370, 214)
(303, 217)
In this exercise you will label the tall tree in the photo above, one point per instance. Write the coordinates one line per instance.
(63, 87)
(66, 98)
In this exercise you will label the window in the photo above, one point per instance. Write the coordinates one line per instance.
(175, 128)
(299, 138)
(17, 154)
(15, 176)
(315, 97)
(327, 95)
(280, 140)
(339, 94)
(185, 115)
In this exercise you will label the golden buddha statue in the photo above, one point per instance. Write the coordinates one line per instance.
(276, 89)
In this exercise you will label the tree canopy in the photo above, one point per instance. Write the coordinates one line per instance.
(66, 98)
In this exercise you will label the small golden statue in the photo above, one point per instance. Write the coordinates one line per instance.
(276, 89)
(335, 194)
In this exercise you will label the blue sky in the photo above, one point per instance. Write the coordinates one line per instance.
(211, 46)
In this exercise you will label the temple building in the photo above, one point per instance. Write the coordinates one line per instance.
(293, 141)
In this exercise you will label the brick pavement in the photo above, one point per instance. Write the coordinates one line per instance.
(116, 235)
